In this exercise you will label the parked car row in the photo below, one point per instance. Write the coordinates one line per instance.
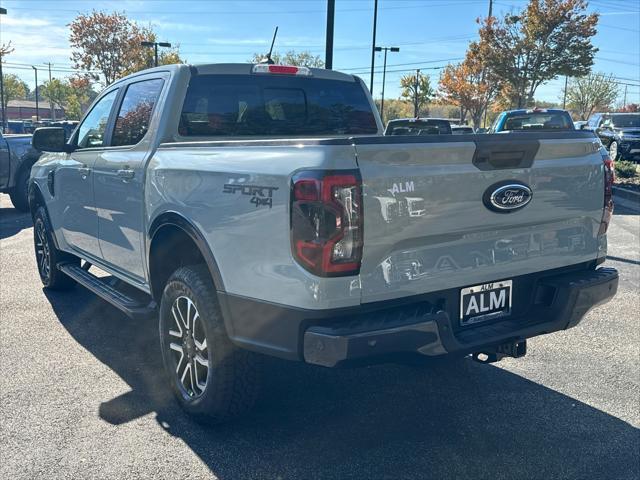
(618, 132)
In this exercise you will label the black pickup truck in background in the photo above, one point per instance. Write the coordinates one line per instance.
(17, 156)
(618, 132)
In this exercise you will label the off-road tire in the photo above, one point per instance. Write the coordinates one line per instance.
(232, 379)
(47, 256)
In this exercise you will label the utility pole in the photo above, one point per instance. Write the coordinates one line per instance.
(416, 108)
(373, 43)
(490, 8)
(564, 96)
(384, 72)
(155, 46)
(331, 13)
(52, 109)
(37, 109)
(3, 11)
(624, 102)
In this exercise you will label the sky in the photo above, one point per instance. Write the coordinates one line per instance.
(429, 33)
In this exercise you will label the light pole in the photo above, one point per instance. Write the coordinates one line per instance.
(3, 11)
(328, 55)
(415, 98)
(373, 44)
(384, 73)
(155, 46)
(37, 109)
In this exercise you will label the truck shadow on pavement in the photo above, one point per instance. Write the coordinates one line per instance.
(12, 222)
(461, 420)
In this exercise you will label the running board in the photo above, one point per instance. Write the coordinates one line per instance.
(134, 308)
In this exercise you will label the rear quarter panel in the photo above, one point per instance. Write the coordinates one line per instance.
(250, 241)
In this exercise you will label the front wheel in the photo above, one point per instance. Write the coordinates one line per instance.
(613, 151)
(47, 256)
(211, 378)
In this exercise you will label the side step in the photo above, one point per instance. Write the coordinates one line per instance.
(135, 308)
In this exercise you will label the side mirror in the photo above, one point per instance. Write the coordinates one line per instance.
(50, 139)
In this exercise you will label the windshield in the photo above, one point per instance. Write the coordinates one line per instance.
(418, 127)
(264, 105)
(538, 121)
(622, 121)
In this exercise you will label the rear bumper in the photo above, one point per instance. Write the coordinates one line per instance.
(425, 325)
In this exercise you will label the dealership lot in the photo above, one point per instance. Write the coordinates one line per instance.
(81, 397)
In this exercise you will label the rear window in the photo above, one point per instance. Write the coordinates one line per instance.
(538, 121)
(265, 105)
(418, 127)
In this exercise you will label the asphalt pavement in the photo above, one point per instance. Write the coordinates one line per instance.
(82, 396)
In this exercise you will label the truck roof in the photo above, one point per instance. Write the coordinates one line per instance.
(235, 69)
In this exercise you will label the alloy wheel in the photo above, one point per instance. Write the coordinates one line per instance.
(43, 251)
(188, 344)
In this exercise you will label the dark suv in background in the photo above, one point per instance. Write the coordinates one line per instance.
(619, 132)
(418, 126)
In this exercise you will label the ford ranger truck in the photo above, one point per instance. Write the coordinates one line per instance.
(259, 210)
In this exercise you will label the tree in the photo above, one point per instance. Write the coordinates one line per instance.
(14, 88)
(81, 97)
(470, 85)
(110, 43)
(395, 108)
(549, 38)
(631, 108)
(424, 91)
(590, 93)
(57, 92)
(166, 56)
(301, 59)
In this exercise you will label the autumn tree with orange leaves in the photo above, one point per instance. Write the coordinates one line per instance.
(549, 38)
(110, 44)
(470, 86)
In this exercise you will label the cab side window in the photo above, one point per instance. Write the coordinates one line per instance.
(92, 130)
(134, 116)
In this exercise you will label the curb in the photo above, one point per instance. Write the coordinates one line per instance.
(626, 193)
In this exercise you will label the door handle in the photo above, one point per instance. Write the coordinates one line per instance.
(126, 174)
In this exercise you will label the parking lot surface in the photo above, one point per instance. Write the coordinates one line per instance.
(82, 396)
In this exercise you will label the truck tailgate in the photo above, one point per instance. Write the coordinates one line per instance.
(428, 220)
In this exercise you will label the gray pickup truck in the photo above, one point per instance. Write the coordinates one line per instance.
(258, 209)
(16, 158)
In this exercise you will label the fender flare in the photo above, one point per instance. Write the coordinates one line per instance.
(174, 219)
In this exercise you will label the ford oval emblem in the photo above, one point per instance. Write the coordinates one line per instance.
(506, 197)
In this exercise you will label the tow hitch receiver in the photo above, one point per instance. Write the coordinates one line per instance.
(495, 354)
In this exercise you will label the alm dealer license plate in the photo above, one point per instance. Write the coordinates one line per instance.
(485, 302)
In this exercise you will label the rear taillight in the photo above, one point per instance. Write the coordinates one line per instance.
(326, 221)
(609, 177)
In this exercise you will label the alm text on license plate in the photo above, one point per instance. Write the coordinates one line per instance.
(485, 302)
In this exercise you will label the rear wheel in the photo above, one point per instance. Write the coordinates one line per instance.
(47, 256)
(211, 378)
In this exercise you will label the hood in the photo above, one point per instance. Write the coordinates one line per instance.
(631, 131)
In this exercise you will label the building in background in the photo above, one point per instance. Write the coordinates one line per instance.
(26, 110)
